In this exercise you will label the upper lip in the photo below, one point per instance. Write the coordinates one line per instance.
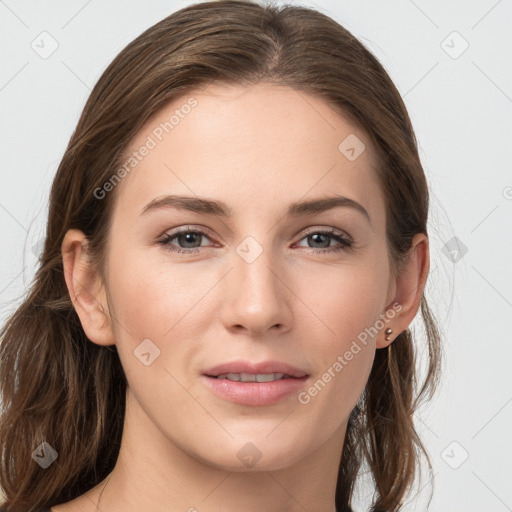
(255, 368)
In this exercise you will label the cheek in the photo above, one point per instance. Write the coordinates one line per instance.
(151, 297)
(345, 305)
(343, 300)
(155, 307)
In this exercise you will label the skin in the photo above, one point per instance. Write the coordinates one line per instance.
(257, 149)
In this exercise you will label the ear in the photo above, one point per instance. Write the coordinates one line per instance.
(409, 286)
(86, 289)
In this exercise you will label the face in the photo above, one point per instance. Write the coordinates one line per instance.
(191, 290)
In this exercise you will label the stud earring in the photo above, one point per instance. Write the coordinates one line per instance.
(388, 332)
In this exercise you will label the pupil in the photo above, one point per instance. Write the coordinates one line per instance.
(187, 235)
(315, 238)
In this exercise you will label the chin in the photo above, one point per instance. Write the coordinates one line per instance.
(242, 455)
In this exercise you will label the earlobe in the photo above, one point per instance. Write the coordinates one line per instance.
(86, 289)
(409, 289)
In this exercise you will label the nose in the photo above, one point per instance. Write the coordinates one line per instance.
(256, 296)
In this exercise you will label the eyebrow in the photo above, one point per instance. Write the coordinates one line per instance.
(220, 209)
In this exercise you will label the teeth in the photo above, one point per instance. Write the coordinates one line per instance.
(250, 377)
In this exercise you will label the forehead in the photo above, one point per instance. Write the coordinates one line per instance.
(236, 142)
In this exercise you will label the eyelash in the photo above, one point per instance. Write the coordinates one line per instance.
(345, 242)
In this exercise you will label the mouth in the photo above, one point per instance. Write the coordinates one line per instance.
(253, 377)
(260, 384)
(246, 371)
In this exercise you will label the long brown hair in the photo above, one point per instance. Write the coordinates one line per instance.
(57, 386)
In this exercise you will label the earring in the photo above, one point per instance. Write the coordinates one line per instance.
(388, 332)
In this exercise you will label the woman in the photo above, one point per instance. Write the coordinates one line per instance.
(252, 369)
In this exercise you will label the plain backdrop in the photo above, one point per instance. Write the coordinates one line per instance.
(451, 63)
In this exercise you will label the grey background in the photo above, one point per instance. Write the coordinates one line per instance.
(460, 103)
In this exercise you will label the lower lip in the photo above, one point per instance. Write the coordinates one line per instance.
(254, 393)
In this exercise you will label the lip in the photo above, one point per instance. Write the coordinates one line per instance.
(248, 367)
(254, 393)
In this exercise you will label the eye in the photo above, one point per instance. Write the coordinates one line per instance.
(325, 236)
(191, 238)
(186, 236)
